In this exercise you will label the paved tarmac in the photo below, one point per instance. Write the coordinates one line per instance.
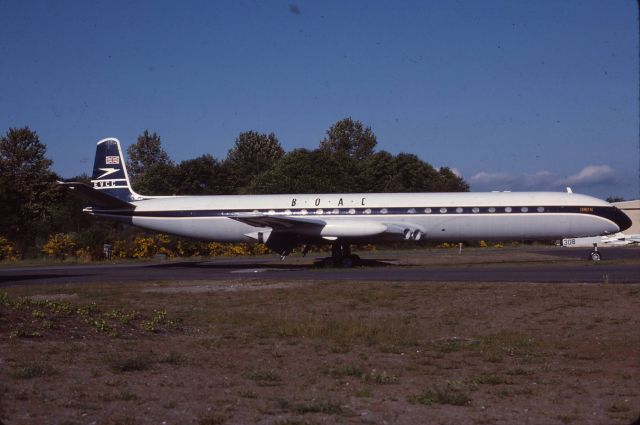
(270, 268)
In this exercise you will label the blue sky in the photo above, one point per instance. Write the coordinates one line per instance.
(514, 95)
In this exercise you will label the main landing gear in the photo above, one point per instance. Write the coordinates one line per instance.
(341, 256)
(595, 254)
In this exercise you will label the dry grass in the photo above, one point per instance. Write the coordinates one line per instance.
(356, 352)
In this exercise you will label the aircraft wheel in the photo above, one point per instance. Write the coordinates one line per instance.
(595, 256)
(347, 262)
(355, 259)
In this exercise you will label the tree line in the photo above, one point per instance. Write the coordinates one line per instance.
(33, 207)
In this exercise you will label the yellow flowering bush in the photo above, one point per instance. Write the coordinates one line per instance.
(7, 250)
(143, 247)
(59, 245)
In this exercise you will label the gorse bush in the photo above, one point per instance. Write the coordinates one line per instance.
(7, 250)
(60, 245)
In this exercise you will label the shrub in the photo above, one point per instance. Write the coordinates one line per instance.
(7, 250)
(84, 254)
(59, 245)
(119, 249)
(227, 250)
(144, 247)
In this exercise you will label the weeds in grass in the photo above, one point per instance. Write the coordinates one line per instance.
(33, 370)
(340, 331)
(511, 344)
(343, 371)
(248, 394)
(263, 377)
(318, 406)
(491, 379)
(38, 314)
(109, 323)
(291, 421)
(158, 319)
(447, 346)
(100, 325)
(520, 372)
(21, 332)
(362, 392)
(283, 403)
(122, 316)
(123, 395)
(135, 363)
(449, 395)
(173, 358)
(619, 407)
(567, 419)
(383, 378)
(212, 419)
(371, 377)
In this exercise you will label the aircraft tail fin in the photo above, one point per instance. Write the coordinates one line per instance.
(110, 172)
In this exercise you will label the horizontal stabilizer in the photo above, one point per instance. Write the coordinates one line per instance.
(95, 197)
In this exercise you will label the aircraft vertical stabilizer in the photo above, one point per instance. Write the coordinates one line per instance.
(110, 172)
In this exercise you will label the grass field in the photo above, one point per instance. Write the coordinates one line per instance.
(297, 352)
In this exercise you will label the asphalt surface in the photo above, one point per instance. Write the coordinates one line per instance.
(271, 268)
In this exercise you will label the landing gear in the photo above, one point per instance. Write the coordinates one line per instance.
(341, 256)
(595, 254)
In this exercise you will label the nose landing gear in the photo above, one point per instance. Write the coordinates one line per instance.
(595, 254)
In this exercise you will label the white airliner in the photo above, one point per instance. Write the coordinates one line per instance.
(283, 222)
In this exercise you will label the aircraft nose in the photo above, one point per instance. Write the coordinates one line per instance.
(621, 219)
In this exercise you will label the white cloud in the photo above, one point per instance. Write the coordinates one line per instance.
(456, 172)
(589, 177)
(592, 175)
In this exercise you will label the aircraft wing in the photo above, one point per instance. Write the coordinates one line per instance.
(327, 227)
(281, 223)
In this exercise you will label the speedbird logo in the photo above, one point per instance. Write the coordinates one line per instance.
(107, 171)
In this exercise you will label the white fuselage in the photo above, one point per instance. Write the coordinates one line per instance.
(379, 216)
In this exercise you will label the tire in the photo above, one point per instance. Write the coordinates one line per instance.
(347, 262)
(595, 256)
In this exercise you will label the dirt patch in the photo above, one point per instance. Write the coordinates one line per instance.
(357, 353)
(53, 297)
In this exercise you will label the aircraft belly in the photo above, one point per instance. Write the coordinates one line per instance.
(220, 229)
(503, 227)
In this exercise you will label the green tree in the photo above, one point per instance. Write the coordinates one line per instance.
(302, 171)
(145, 153)
(201, 176)
(27, 188)
(159, 179)
(252, 154)
(448, 181)
(349, 138)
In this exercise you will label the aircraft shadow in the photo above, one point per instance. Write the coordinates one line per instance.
(25, 277)
(247, 264)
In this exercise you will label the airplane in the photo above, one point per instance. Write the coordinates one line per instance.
(283, 222)
(618, 239)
